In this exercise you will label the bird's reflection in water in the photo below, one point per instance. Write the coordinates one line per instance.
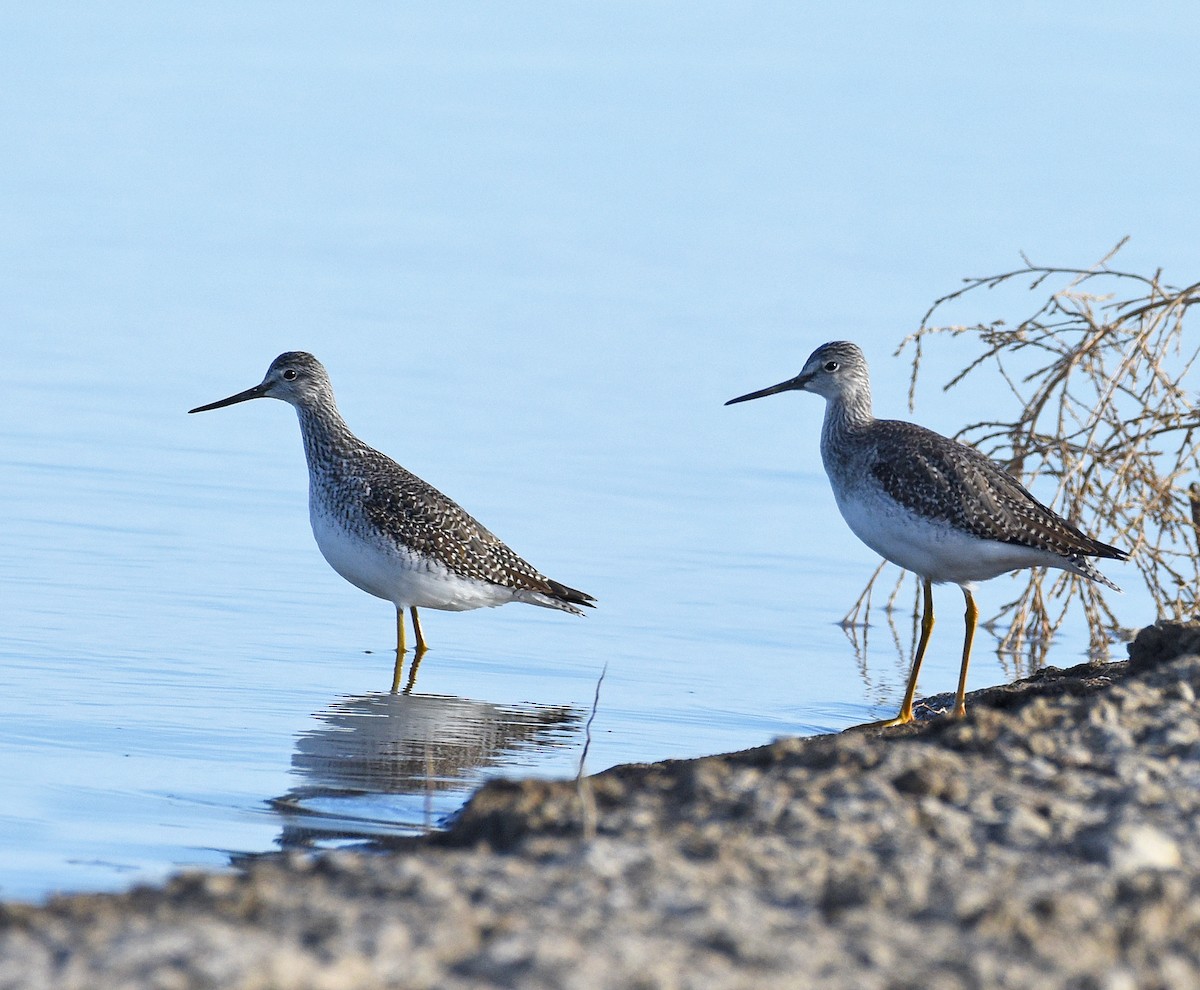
(880, 686)
(388, 764)
(398, 670)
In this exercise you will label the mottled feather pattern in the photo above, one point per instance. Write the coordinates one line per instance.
(385, 530)
(929, 504)
(943, 479)
(416, 516)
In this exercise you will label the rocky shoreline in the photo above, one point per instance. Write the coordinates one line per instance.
(1051, 839)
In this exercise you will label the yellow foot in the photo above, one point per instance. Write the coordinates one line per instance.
(959, 711)
(902, 719)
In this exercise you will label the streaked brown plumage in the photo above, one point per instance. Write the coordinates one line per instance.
(930, 504)
(384, 529)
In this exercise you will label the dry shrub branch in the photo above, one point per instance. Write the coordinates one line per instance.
(1096, 376)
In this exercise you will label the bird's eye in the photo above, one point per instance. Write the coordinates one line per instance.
(831, 366)
(289, 374)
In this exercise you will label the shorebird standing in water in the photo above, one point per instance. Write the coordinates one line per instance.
(384, 529)
(930, 504)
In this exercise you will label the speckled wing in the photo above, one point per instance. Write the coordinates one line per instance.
(416, 515)
(944, 479)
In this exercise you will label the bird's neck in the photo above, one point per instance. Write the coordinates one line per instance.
(845, 417)
(327, 438)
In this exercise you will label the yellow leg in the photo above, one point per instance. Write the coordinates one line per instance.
(422, 646)
(398, 670)
(402, 647)
(906, 709)
(960, 704)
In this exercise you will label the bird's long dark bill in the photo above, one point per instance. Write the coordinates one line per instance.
(251, 393)
(789, 385)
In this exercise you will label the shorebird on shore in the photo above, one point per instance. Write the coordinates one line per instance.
(930, 504)
(384, 529)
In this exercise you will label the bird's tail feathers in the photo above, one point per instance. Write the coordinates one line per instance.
(561, 597)
(1084, 567)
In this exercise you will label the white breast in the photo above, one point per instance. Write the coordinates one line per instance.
(395, 574)
(931, 548)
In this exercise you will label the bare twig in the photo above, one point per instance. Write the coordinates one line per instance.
(1097, 372)
(583, 783)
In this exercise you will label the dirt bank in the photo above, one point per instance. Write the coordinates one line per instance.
(1050, 839)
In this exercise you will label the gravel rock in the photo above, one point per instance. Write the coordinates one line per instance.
(1052, 838)
(1163, 641)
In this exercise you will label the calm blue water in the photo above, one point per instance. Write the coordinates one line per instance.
(537, 247)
